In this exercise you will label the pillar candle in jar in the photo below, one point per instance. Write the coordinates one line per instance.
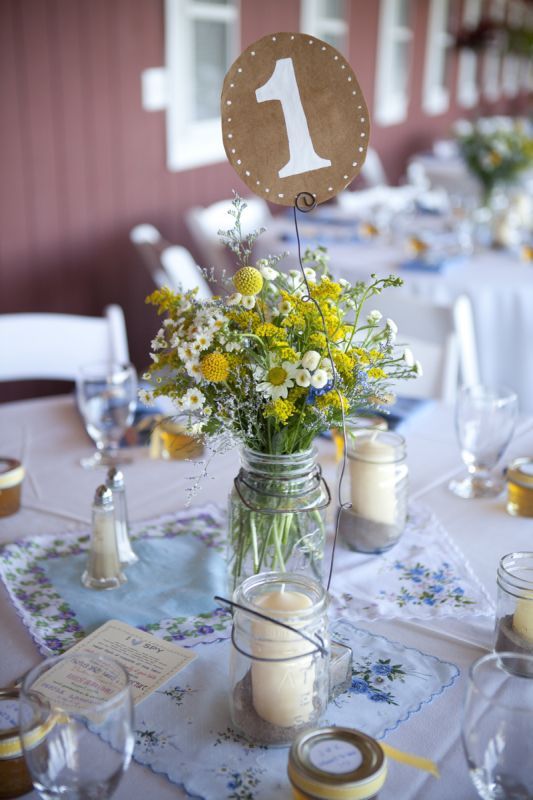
(282, 691)
(373, 479)
(523, 618)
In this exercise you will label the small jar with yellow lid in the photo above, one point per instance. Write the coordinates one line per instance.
(11, 477)
(15, 779)
(520, 487)
(336, 764)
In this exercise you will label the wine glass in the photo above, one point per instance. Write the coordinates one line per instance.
(76, 726)
(107, 398)
(497, 726)
(485, 418)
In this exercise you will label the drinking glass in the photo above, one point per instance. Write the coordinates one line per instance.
(497, 728)
(107, 397)
(485, 418)
(76, 726)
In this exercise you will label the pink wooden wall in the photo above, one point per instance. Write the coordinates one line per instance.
(81, 162)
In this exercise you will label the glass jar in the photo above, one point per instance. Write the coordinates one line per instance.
(277, 516)
(279, 669)
(15, 779)
(378, 478)
(336, 762)
(514, 612)
(11, 477)
(520, 487)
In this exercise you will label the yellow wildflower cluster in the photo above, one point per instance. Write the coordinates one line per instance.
(245, 320)
(344, 363)
(280, 409)
(267, 330)
(326, 290)
(332, 400)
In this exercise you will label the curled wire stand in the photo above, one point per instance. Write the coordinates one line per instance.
(317, 642)
(305, 202)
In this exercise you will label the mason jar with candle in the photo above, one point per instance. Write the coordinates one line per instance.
(378, 479)
(514, 612)
(279, 668)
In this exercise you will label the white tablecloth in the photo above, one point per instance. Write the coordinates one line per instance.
(47, 435)
(499, 285)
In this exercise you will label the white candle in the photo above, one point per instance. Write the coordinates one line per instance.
(282, 691)
(373, 479)
(523, 618)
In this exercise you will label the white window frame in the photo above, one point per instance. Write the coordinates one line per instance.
(492, 62)
(511, 63)
(435, 93)
(190, 143)
(390, 107)
(467, 79)
(315, 21)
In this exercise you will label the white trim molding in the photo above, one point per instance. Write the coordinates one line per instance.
(393, 62)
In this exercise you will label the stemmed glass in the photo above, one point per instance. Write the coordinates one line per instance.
(107, 397)
(497, 726)
(485, 418)
(76, 724)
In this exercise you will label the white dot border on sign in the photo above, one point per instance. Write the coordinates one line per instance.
(362, 119)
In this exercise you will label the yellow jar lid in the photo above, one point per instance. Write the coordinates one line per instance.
(11, 472)
(337, 764)
(521, 471)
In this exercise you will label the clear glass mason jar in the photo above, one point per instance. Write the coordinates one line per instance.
(277, 516)
(279, 673)
(378, 479)
(514, 611)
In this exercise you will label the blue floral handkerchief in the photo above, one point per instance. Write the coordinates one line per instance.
(184, 730)
(425, 575)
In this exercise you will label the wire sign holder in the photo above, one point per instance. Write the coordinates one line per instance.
(295, 128)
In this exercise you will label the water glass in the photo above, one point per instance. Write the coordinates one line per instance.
(485, 419)
(76, 726)
(497, 726)
(107, 398)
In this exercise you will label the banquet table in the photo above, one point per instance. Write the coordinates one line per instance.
(498, 284)
(47, 435)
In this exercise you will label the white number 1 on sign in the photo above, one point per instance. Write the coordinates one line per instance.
(282, 86)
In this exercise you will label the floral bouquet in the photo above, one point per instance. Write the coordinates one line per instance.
(283, 358)
(495, 153)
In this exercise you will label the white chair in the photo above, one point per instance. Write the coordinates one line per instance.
(205, 223)
(168, 265)
(441, 337)
(53, 346)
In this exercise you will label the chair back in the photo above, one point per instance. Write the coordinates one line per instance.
(54, 346)
(441, 337)
(180, 271)
(205, 223)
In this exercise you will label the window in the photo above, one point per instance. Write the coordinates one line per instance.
(326, 19)
(436, 92)
(393, 62)
(201, 43)
(467, 88)
(511, 64)
(492, 62)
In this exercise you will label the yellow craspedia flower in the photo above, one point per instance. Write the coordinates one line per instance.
(248, 280)
(215, 367)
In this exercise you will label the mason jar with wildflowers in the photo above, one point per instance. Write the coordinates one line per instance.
(273, 364)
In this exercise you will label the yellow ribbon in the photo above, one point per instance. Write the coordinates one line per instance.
(413, 761)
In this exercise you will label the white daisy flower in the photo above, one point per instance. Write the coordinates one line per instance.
(268, 273)
(194, 370)
(310, 274)
(408, 357)
(233, 347)
(285, 307)
(302, 377)
(391, 326)
(418, 369)
(154, 357)
(193, 399)
(186, 352)
(248, 301)
(145, 397)
(374, 317)
(344, 283)
(319, 378)
(234, 299)
(311, 360)
(277, 380)
(203, 340)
